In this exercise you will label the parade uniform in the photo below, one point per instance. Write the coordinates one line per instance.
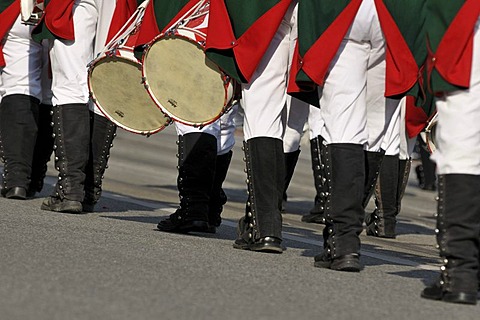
(253, 42)
(356, 51)
(78, 30)
(25, 131)
(453, 68)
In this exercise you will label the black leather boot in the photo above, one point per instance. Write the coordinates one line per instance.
(382, 221)
(197, 153)
(18, 133)
(291, 159)
(426, 175)
(345, 167)
(71, 126)
(373, 162)
(458, 227)
(261, 227)
(218, 197)
(316, 214)
(103, 131)
(404, 167)
(43, 150)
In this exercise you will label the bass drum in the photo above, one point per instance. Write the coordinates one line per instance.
(116, 87)
(179, 77)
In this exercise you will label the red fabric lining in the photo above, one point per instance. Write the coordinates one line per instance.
(8, 17)
(453, 58)
(402, 70)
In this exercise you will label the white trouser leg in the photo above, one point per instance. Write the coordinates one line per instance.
(265, 96)
(295, 117)
(70, 58)
(23, 58)
(458, 129)
(315, 122)
(222, 129)
(407, 144)
(380, 110)
(391, 137)
(105, 14)
(344, 95)
(227, 130)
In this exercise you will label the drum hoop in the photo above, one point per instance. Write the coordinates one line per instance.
(95, 101)
(226, 104)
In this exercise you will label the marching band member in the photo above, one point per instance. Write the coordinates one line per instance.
(344, 52)
(204, 154)
(454, 77)
(82, 139)
(25, 130)
(253, 42)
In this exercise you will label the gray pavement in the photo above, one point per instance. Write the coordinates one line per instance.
(113, 264)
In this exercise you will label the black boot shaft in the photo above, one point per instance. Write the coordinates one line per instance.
(345, 167)
(373, 162)
(18, 133)
(196, 170)
(291, 159)
(382, 221)
(103, 132)
(404, 167)
(265, 166)
(218, 197)
(458, 230)
(72, 140)
(43, 149)
(197, 153)
(316, 214)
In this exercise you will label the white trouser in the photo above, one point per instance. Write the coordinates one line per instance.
(223, 130)
(265, 97)
(458, 127)
(26, 69)
(315, 122)
(91, 19)
(396, 140)
(294, 118)
(356, 81)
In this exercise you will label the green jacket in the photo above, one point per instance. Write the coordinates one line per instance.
(450, 25)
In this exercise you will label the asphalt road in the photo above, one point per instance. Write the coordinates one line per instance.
(113, 264)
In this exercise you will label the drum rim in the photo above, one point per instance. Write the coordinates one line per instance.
(93, 99)
(155, 100)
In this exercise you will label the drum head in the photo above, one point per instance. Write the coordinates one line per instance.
(117, 89)
(183, 82)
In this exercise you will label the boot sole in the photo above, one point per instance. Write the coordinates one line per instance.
(190, 226)
(346, 263)
(269, 248)
(63, 209)
(460, 297)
